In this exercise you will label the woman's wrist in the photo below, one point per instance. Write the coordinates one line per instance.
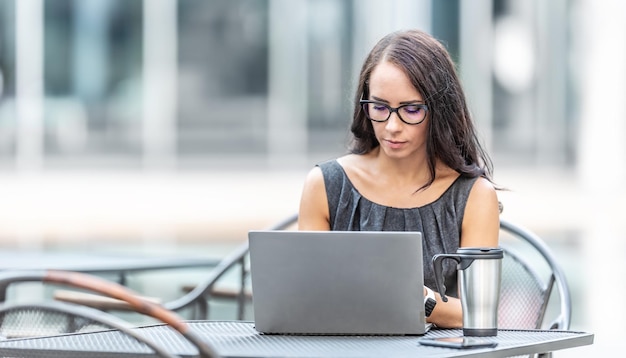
(430, 301)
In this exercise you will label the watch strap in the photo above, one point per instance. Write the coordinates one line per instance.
(429, 302)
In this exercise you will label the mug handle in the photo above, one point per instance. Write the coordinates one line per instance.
(438, 267)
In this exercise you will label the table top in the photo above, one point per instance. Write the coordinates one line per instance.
(240, 339)
(89, 262)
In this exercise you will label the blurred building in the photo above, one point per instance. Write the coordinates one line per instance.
(268, 83)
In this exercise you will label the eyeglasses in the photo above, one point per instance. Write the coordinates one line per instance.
(413, 113)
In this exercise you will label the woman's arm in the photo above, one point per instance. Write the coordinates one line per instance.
(313, 214)
(481, 221)
(480, 228)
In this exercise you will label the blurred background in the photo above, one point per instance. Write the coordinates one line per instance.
(162, 125)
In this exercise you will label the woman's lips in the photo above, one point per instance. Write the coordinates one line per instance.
(394, 144)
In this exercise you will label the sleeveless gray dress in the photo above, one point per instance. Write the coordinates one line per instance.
(439, 222)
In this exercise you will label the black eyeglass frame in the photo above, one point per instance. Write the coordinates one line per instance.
(363, 102)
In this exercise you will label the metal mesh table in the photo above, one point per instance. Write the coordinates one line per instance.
(240, 339)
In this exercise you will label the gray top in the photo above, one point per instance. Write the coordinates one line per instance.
(439, 221)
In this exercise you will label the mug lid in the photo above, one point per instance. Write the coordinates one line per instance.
(481, 252)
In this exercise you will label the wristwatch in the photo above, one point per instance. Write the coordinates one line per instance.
(429, 302)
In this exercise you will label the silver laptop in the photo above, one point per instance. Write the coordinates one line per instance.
(337, 282)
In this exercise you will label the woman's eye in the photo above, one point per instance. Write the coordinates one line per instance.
(413, 109)
(379, 108)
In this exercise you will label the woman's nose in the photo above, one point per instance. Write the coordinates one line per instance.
(394, 123)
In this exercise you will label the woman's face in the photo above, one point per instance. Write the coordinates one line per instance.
(388, 84)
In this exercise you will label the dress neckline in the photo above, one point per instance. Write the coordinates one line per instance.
(440, 197)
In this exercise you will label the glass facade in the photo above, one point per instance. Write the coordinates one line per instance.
(222, 77)
(224, 86)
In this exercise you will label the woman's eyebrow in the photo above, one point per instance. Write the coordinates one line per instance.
(401, 103)
(379, 99)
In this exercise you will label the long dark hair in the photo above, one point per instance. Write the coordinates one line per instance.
(452, 136)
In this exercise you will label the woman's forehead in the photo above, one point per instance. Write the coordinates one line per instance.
(388, 81)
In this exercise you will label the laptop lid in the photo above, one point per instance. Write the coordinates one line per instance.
(337, 282)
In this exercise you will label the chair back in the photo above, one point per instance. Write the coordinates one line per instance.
(534, 285)
(93, 284)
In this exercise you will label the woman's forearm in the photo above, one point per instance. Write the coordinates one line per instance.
(447, 314)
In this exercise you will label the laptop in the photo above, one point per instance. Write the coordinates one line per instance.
(337, 282)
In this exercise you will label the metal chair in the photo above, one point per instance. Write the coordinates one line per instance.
(41, 319)
(196, 303)
(530, 273)
(54, 318)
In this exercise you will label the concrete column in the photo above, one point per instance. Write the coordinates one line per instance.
(29, 85)
(288, 74)
(160, 82)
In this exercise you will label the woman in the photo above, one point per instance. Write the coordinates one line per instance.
(415, 162)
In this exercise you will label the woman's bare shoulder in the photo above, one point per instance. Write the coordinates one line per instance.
(350, 160)
(314, 178)
(483, 188)
(313, 212)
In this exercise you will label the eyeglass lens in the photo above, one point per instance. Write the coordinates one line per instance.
(409, 113)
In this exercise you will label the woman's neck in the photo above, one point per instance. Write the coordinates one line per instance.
(408, 170)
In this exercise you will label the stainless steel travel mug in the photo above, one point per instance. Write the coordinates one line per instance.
(479, 274)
